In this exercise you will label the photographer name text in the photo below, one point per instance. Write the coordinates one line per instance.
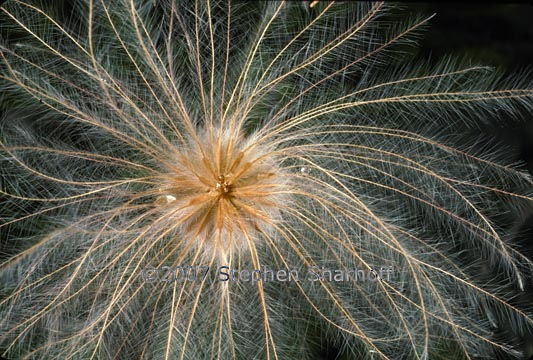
(315, 273)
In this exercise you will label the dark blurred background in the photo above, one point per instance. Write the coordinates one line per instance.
(497, 34)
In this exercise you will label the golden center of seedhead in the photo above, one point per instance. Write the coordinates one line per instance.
(222, 185)
(220, 198)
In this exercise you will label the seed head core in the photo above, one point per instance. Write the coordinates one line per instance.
(222, 186)
(226, 193)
